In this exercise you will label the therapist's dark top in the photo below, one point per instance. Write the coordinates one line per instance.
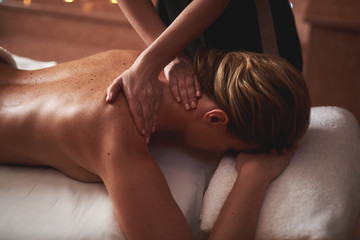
(238, 28)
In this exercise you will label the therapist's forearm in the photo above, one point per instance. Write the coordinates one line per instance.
(144, 18)
(193, 20)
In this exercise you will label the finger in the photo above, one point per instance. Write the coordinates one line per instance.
(190, 89)
(174, 89)
(183, 93)
(153, 105)
(153, 129)
(197, 86)
(147, 118)
(155, 116)
(113, 90)
(156, 109)
(137, 114)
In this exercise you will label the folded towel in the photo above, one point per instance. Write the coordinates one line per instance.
(317, 196)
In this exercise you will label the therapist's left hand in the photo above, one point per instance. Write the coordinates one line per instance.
(183, 83)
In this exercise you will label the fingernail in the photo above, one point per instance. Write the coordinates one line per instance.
(153, 129)
(143, 131)
(187, 107)
(178, 99)
(193, 105)
(198, 93)
(147, 140)
(107, 97)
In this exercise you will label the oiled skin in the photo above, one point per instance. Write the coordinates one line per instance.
(58, 117)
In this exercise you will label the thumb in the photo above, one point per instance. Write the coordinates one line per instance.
(113, 90)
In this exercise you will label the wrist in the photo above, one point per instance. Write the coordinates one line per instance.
(144, 65)
(254, 172)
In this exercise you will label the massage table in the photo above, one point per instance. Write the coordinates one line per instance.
(316, 197)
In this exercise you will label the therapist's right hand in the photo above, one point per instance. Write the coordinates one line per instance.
(143, 94)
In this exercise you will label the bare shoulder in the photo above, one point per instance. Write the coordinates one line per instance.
(121, 143)
(119, 57)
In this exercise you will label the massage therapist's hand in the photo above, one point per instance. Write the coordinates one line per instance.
(183, 83)
(143, 94)
(268, 165)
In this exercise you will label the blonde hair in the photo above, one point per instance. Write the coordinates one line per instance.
(266, 98)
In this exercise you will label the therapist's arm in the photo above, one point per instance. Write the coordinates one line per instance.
(144, 18)
(191, 22)
(140, 81)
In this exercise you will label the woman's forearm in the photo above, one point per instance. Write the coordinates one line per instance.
(239, 216)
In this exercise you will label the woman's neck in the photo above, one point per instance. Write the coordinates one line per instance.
(172, 116)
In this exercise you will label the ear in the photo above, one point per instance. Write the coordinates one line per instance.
(216, 117)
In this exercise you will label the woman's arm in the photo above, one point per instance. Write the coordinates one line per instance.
(239, 216)
(143, 204)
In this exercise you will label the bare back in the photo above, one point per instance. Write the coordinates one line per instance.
(58, 117)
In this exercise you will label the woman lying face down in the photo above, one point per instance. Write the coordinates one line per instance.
(58, 117)
(262, 99)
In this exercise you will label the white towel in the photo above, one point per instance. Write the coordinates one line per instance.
(317, 196)
(22, 62)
